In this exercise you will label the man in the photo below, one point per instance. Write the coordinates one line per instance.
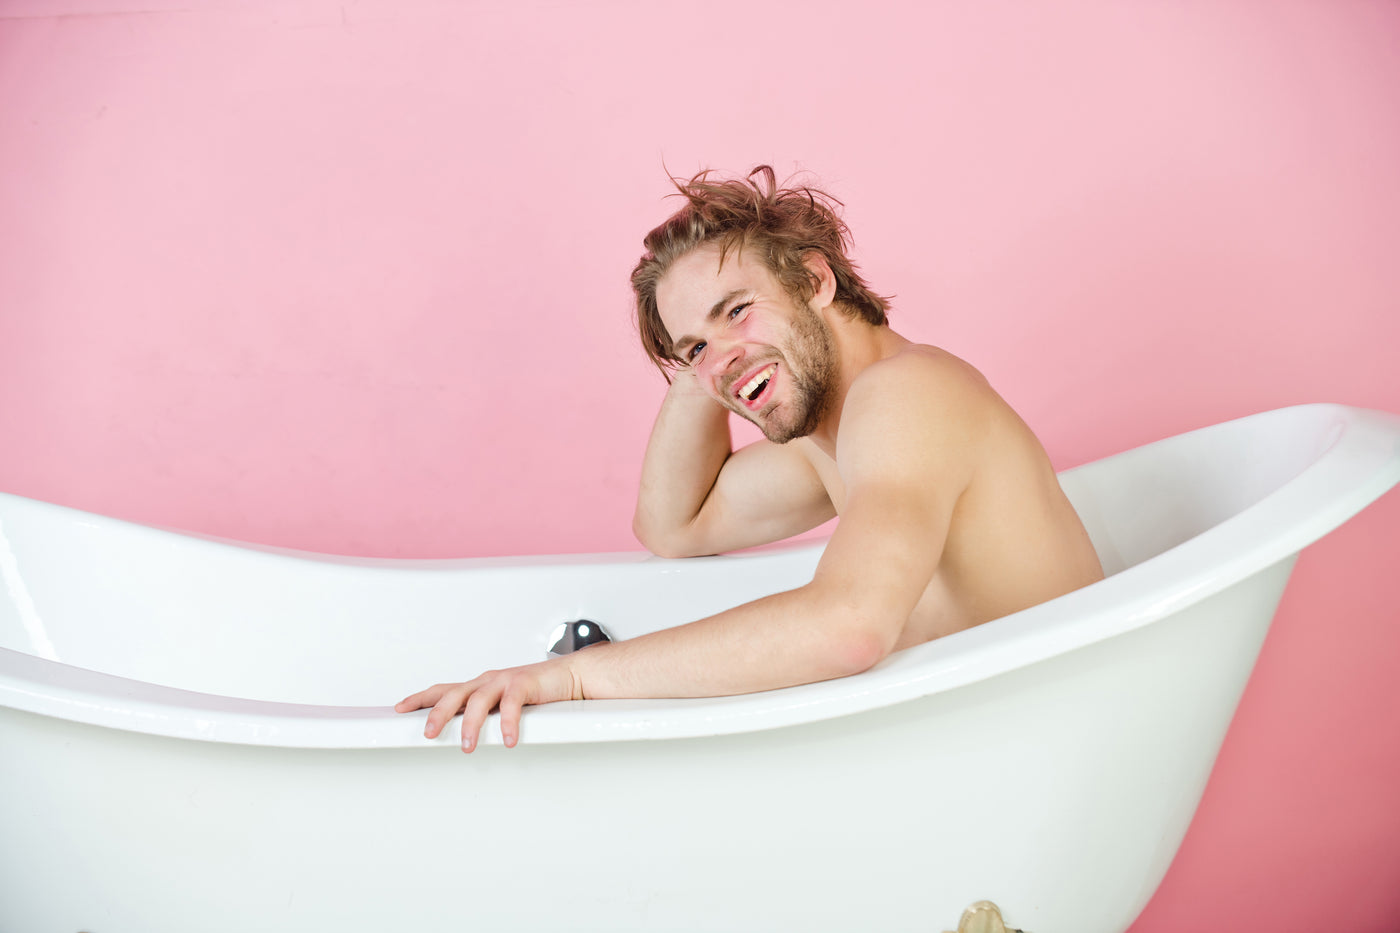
(950, 513)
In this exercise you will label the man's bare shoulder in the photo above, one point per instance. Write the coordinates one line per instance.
(922, 360)
(922, 382)
(918, 412)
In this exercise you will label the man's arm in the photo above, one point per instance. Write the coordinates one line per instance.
(905, 466)
(698, 496)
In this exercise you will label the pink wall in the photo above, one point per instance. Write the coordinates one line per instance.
(352, 277)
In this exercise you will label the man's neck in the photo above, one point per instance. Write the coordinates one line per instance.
(859, 345)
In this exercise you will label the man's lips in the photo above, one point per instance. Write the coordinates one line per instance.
(754, 388)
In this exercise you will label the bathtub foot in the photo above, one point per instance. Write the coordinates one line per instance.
(983, 917)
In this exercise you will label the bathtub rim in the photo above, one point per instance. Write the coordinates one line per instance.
(1361, 463)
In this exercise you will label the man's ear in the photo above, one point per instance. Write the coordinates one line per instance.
(826, 280)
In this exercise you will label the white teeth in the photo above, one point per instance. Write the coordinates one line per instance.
(762, 376)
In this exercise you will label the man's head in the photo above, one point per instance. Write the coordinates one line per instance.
(749, 344)
(782, 227)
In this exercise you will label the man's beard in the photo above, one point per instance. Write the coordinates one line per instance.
(811, 365)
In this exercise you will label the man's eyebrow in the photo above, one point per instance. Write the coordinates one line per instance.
(716, 310)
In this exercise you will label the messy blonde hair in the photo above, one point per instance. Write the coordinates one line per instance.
(779, 225)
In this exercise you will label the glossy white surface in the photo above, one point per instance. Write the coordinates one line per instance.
(1082, 731)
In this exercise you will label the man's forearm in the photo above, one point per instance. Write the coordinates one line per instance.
(795, 637)
(689, 444)
(800, 636)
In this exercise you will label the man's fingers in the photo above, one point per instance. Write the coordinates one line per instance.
(512, 701)
(479, 706)
(449, 700)
(421, 699)
(475, 700)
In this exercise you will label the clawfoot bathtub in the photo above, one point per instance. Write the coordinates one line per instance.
(197, 735)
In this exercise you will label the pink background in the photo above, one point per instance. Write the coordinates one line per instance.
(352, 277)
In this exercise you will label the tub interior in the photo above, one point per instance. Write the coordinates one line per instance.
(1145, 501)
(220, 618)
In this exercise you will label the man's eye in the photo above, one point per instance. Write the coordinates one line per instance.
(734, 312)
(694, 351)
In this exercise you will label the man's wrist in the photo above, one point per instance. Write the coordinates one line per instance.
(582, 674)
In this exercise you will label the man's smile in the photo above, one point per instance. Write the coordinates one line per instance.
(755, 389)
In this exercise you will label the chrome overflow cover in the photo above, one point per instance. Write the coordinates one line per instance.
(569, 637)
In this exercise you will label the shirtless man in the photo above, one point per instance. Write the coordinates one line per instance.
(950, 513)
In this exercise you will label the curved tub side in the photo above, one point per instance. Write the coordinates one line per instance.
(1060, 790)
(1344, 459)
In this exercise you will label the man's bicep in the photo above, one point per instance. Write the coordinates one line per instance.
(764, 492)
(905, 468)
(886, 550)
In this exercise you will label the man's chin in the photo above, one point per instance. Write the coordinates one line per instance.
(779, 433)
(776, 431)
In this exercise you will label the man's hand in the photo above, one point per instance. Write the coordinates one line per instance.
(511, 689)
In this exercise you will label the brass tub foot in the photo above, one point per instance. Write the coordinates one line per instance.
(983, 917)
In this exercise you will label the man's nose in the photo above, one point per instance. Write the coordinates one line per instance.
(722, 358)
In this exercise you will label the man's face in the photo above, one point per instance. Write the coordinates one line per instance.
(750, 345)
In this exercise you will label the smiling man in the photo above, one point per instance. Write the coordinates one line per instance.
(950, 513)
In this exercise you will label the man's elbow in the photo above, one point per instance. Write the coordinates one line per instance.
(859, 648)
(661, 541)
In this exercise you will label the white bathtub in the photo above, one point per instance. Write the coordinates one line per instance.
(196, 735)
